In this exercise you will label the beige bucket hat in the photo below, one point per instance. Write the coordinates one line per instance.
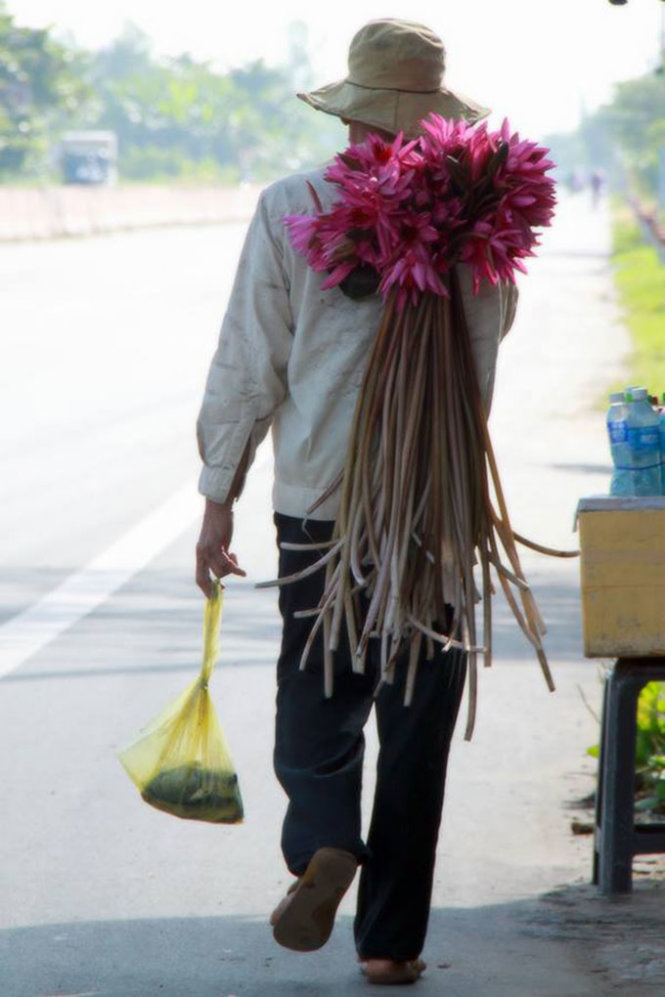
(396, 72)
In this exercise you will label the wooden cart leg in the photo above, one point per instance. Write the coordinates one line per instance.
(599, 783)
(617, 820)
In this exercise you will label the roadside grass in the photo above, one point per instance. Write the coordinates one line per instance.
(640, 282)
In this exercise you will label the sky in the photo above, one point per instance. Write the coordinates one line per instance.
(539, 62)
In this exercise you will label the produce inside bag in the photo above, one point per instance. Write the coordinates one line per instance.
(181, 762)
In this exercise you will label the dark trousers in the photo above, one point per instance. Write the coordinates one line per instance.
(319, 749)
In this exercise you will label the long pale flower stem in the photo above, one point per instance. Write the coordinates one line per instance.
(417, 520)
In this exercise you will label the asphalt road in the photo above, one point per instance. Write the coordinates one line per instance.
(105, 347)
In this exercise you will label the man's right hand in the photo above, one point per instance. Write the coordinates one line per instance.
(212, 550)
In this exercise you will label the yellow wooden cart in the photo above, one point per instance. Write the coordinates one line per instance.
(622, 544)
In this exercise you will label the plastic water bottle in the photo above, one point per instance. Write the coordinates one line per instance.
(661, 425)
(643, 443)
(617, 430)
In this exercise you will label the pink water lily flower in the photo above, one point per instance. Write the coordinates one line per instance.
(412, 274)
(303, 231)
(373, 170)
(338, 274)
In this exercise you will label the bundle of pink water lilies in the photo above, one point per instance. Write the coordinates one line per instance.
(423, 523)
(410, 210)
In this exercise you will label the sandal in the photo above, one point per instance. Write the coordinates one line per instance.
(304, 919)
(390, 972)
(281, 906)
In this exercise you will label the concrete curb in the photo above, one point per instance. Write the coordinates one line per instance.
(35, 213)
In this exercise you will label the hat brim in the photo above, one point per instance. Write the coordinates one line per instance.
(391, 110)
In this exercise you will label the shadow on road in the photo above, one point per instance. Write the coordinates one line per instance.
(559, 604)
(552, 946)
(130, 635)
(153, 624)
(584, 468)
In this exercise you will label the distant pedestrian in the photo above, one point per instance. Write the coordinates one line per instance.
(578, 181)
(291, 359)
(597, 183)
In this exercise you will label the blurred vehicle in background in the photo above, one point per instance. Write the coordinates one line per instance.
(88, 157)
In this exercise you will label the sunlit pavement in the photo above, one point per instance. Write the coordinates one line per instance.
(106, 342)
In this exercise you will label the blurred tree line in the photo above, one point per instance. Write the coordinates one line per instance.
(174, 117)
(626, 137)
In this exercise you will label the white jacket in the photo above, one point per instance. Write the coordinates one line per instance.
(292, 357)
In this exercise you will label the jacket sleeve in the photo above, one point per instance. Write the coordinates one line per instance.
(247, 380)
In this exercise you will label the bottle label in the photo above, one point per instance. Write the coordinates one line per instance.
(644, 438)
(618, 431)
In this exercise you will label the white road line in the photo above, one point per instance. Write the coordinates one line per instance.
(81, 593)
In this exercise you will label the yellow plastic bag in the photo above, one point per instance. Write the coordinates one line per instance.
(180, 762)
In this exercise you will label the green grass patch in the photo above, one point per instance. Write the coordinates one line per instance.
(640, 281)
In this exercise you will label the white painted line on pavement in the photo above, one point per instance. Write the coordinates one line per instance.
(81, 593)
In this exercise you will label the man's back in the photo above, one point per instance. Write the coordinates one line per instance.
(293, 356)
